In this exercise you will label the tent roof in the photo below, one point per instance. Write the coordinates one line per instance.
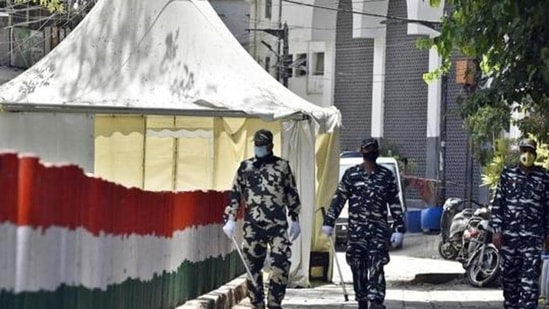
(162, 56)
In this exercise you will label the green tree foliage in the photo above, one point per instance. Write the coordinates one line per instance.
(485, 126)
(503, 156)
(510, 41)
(54, 6)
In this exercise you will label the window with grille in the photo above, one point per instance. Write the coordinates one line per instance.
(289, 61)
(300, 65)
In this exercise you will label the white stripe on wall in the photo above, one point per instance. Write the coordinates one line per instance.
(38, 259)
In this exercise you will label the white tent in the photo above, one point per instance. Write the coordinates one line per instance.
(143, 68)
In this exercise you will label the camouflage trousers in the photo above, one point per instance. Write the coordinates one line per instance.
(256, 241)
(367, 259)
(520, 271)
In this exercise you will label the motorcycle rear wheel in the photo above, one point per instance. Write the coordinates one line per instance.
(485, 273)
(447, 251)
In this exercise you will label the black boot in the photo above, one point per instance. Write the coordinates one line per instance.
(362, 304)
(376, 305)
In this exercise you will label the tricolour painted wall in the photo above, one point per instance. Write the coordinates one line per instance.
(72, 241)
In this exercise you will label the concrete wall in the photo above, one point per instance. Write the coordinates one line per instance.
(405, 94)
(56, 138)
(353, 80)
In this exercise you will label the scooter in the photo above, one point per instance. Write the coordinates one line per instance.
(456, 221)
(453, 223)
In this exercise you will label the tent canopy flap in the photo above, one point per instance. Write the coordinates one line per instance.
(49, 108)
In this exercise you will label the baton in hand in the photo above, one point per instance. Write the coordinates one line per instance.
(244, 262)
(332, 246)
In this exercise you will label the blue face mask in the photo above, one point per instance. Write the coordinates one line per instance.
(261, 151)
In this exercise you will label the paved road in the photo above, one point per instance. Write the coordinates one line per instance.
(331, 296)
(406, 287)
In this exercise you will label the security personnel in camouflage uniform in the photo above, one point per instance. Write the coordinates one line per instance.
(267, 186)
(369, 188)
(520, 218)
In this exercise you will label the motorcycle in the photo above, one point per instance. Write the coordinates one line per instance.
(483, 265)
(457, 222)
(466, 237)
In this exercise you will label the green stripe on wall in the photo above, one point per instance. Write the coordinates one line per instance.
(163, 291)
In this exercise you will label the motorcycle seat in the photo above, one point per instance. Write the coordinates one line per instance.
(468, 212)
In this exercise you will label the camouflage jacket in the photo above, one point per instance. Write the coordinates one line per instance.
(368, 196)
(521, 203)
(268, 189)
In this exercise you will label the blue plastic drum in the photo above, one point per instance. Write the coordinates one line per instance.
(430, 219)
(413, 220)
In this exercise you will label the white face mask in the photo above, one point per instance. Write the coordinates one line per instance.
(261, 151)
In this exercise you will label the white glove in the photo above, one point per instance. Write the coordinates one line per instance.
(229, 228)
(396, 239)
(326, 229)
(295, 230)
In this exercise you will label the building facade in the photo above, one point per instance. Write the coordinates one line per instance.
(373, 72)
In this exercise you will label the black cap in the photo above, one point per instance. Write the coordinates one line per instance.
(367, 142)
(263, 137)
(528, 143)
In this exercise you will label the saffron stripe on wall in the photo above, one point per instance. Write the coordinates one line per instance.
(64, 196)
(9, 170)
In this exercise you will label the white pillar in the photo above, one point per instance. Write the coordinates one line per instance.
(378, 87)
(434, 101)
(434, 97)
